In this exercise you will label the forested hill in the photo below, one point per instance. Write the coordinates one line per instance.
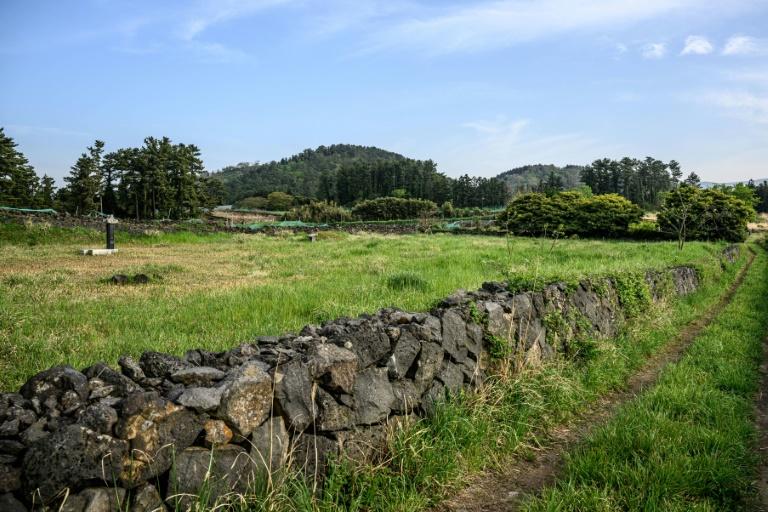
(302, 174)
(529, 177)
(347, 174)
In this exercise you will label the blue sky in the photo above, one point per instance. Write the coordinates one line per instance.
(479, 86)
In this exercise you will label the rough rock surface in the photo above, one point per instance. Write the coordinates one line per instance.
(147, 499)
(155, 429)
(70, 458)
(374, 397)
(246, 399)
(95, 499)
(269, 445)
(222, 471)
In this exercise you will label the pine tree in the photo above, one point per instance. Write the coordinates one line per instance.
(83, 181)
(46, 192)
(18, 181)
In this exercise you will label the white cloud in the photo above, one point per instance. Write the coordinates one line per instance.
(697, 45)
(654, 50)
(746, 105)
(746, 45)
(499, 23)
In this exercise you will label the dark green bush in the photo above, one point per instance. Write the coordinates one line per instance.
(570, 213)
(391, 208)
(691, 213)
(406, 280)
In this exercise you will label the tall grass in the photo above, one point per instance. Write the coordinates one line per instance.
(221, 289)
(685, 444)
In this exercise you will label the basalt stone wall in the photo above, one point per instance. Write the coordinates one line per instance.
(140, 436)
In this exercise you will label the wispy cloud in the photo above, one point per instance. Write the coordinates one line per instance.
(499, 128)
(495, 145)
(745, 105)
(207, 13)
(697, 45)
(746, 45)
(217, 52)
(500, 23)
(341, 15)
(654, 50)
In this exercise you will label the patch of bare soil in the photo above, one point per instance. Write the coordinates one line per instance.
(524, 477)
(243, 217)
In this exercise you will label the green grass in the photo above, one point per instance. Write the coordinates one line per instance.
(216, 290)
(685, 444)
(430, 459)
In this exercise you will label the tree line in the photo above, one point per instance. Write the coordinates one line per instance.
(158, 180)
(641, 181)
(406, 178)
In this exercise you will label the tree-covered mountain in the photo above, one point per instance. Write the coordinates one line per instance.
(299, 175)
(346, 174)
(531, 177)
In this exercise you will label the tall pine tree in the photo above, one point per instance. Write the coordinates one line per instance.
(83, 181)
(18, 181)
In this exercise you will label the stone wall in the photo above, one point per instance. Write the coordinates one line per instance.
(144, 433)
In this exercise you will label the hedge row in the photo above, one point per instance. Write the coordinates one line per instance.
(570, 213)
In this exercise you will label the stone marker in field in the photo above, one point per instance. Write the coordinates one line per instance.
(109, 230)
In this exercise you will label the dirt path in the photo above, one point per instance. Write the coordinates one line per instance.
(761, 420)
(506, 491)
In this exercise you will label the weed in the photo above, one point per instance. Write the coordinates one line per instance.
(499, 348)
(476, 316)
(406, 280)
(634, 295)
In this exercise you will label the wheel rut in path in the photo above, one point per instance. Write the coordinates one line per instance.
(761, 422)
(525, 477)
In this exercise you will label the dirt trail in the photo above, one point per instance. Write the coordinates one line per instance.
(521, 478)
(761, 420)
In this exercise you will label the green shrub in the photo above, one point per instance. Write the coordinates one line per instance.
(279, 201)
(406, 280)
(634, 295)
(691, 213)
(570, 213)
(604, 215)
(390, 208)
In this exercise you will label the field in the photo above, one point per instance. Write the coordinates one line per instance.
(216, 290)
(684, 443)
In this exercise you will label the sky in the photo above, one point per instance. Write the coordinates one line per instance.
(477, 86)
